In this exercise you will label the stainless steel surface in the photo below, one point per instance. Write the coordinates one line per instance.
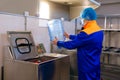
(49, 68)
(25, 65)
(26, 41)
(73, 64)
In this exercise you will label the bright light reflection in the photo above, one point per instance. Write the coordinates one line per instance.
(44, 10)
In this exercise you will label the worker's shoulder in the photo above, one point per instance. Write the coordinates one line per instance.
(90, 31)
(82, 34)
(85, 34)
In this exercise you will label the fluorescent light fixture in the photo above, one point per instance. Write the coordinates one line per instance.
(95, 2)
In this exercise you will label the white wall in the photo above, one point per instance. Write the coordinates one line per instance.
(39, 31)
(19, 6)
(69, 27)
(109, 9)
(8, 23)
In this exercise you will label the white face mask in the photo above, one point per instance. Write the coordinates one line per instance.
(82, 21)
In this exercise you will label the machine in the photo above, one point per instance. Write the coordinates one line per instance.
(22, 62)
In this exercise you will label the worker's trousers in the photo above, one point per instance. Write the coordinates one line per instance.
(93, 75)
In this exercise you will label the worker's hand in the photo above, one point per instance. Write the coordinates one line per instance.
(54, 42)
(66, 35)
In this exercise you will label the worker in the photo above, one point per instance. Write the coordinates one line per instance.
(89, 45)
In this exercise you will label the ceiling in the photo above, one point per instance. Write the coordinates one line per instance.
(108, 1)
(76, 2)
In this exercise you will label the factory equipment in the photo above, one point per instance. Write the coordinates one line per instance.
(73, 64)
(23, 63)
(110, 65)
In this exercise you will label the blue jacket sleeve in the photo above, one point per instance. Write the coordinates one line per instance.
(72, 37)
(77, 42)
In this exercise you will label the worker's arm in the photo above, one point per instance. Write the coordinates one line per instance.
(69, 36)
(72, 37)
(79, 40)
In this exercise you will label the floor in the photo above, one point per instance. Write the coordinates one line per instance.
(110, 74)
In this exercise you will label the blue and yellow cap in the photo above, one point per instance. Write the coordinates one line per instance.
(88, 14)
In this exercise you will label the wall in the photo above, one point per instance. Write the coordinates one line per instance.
(32, 6)
(58, 11)
(8, 23)
(37, 26)
(19, 6)
(109, 9)
(75, 11)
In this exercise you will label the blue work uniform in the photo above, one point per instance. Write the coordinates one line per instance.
(89, 45)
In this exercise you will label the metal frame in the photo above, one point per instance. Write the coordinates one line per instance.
(106, 65)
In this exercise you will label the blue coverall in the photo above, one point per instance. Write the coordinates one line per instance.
(89, 45)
